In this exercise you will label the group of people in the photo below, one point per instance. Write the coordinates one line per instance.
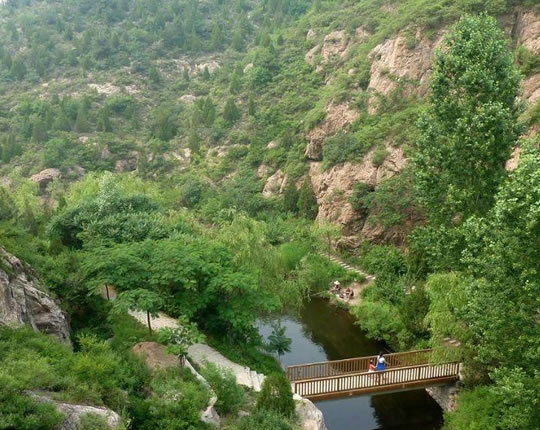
(336, 289)
(379, 365)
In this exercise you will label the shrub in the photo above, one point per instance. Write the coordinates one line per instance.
(264, 420)
(92, 421)
(276, 395)
(292, 253)
(230, 395)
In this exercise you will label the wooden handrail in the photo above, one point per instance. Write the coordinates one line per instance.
(398, 378)
(355, 365)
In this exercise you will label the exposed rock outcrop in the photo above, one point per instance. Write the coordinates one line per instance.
(334, 47)
(445, 395)
(334, 187)
(337, 118)
(23, 302)
(275, 184)
(45, 177)
(74, 413)
(525, 30)
(127, 164)
(405, 56)
(309, 416)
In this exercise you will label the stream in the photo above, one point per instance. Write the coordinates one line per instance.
(322, 332)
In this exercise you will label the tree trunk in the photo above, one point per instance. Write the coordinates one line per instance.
(148, 319)
(107, 291)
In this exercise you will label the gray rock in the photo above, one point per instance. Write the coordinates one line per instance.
(23, 301)
(310, 417)
(74, 413)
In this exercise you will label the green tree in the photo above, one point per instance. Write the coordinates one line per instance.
(180, 338)
(140, 300)
(104, 120)
(194, 141)
(216, 37)
(290, 197)
(231, 114)
(18, 68)
(252, 109)
(471, 124)
(307, 202)
(206, 73)
(276, 395)
(278, 342)
(238, 39)
(39, 131)
(236, 84)
(81, 123)
(154, 75)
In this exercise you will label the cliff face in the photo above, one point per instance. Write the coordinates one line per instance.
(23, 301)
(407, 57)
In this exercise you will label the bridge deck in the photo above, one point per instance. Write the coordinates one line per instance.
(424, 375)
(355, 365)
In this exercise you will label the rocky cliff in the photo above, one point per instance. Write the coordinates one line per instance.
(403, 57)
(23, 300)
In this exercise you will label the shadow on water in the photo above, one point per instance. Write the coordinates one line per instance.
(321, 332)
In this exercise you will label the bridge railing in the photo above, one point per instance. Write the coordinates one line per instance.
(355, 365)
(398, 378)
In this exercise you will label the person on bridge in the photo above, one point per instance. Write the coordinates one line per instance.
(371, 367)
(381, 362)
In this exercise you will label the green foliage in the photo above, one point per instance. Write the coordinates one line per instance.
(263, 420)
(465, 140)
(276, 395)
(290, 197)
(180, 338)
(230, 395)
(175, 404)
(231, 114)
(278, 342)
(528, 63)
(92, 421)
(307, 202)
(141, 300)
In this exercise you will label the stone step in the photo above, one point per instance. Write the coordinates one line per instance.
(347, 266)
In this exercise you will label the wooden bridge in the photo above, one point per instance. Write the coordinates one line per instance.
(404, 371)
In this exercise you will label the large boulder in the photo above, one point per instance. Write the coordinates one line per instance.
(24, 302)
(45, 177)
(309, 416)
(73, 413)
(275, 184)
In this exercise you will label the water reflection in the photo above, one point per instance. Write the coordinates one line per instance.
(322, 332)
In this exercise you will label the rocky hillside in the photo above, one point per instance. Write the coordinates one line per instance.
(23, 300)
(182, 94)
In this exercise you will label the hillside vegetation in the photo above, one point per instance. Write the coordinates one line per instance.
(200, 155)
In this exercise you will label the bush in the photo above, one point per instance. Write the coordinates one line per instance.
(263, 420)
(276, 395)
(230, 395)
(93, 422)
(292, 253)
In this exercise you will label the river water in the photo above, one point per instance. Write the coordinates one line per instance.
(322, 332)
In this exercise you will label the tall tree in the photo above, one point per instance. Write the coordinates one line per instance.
(471, 126)
(81, 123)
(307, 202)
(231, 114)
